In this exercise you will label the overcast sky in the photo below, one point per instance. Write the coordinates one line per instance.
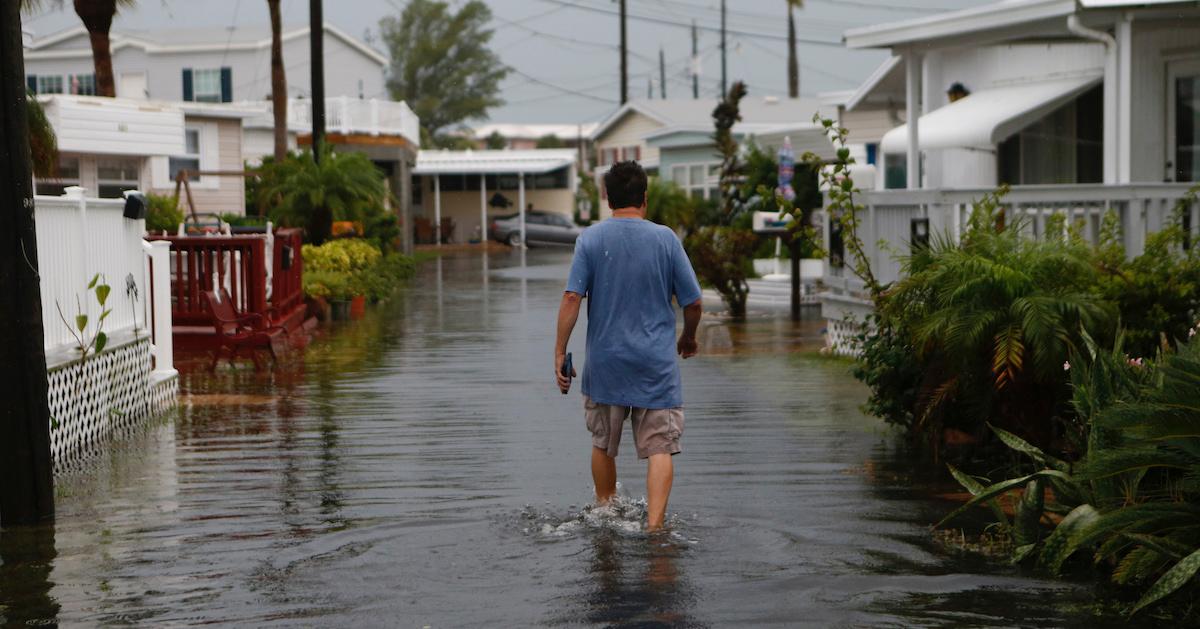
(564, 52)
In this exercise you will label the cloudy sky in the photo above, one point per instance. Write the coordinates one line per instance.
(564, 52)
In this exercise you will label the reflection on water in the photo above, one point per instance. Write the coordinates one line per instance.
(379, 478)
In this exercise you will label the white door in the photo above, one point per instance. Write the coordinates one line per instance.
(132, 85)
(1183, 120)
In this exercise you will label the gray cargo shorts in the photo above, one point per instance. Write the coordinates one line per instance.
(655, 430)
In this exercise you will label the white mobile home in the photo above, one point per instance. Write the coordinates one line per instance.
(1082, 106)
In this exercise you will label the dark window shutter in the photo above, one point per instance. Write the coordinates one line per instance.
(187, 85)
(226, 85)
(31, 83)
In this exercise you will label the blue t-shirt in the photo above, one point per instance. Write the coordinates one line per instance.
(628, 269)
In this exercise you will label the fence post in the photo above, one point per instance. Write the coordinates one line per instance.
(160, 291)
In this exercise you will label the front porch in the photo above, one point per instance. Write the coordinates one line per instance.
(893, 219)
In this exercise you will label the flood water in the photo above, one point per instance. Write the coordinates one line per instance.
(419, 468)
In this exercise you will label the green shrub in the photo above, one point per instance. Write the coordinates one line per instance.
(162, 213)
(346, 255)
(329, 285)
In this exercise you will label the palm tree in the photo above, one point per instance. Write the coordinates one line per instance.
(302, 192)
(97, 17)
(278, 83)
(793, 62)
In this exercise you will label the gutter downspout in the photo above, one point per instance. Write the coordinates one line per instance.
(1111, 133)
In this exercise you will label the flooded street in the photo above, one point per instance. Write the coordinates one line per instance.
(419, 468)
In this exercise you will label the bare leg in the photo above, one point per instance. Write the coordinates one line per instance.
(604, 475)
(660, 473)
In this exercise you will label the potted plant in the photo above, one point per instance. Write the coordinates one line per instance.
(332, 288)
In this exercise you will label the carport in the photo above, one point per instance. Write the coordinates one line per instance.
(441, 163)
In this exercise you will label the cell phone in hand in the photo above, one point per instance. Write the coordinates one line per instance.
(566, 371)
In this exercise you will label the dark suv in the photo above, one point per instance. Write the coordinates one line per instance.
(541, 228)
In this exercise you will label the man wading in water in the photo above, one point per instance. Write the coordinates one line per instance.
(629, 268)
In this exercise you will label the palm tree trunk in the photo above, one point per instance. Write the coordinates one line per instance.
(97, 17)
(278, 84)
(793, 62)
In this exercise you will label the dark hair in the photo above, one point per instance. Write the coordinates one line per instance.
(625, 184)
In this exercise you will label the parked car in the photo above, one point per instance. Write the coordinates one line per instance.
(541, 228)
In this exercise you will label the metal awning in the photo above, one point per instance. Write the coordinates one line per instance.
(530, 162)
(987, 117)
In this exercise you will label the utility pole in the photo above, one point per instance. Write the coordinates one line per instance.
(793, 62)
(650, 88)
(316, 25)
(624, 62)
(662, 74)
(26, 473)
(695, 64)
(724, 85)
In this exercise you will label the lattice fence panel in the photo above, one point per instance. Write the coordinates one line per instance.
(841, 337)
(91, 399)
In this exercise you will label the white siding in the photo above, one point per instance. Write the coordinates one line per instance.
(1154, 44)
(630, 131)
(115, 127)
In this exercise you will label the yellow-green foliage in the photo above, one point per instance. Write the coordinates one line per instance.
(348, 255)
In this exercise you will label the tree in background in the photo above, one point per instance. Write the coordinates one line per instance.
(97, 17)
(43, 144)
(495, 141)
(441, 64)
(722, 252)
(793, 61)
(278, 82)
(550, 141)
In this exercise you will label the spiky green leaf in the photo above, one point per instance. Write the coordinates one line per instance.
(998, 489)
(1032, 451)
(975, 487)
(1026, 527)
(1181, 573)
(1062, 542)
(92, 284)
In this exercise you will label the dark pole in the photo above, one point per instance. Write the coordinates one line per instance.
(26, 472)
(662, 74)
(795, 251)
(624, 62)
(724, 85)
(695, 65)
(317, 48)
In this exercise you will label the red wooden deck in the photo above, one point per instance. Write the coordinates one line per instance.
(239, 263)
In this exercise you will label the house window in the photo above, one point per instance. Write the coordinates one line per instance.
(50, 84)
(700, 181)
(116, 175)
(67, 175)
(1066, 146)
(206, 86)
(895, 171)
(83, 84)
(190, 160)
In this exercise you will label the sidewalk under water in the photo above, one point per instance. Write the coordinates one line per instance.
(419, 468)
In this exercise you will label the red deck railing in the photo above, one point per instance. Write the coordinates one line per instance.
(239, 264)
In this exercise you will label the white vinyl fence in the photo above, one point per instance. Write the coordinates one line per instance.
(134, 377)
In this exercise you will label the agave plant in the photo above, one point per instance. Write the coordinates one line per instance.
(1133, 501)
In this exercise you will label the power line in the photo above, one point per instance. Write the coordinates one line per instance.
(711, 29)
(564, 90)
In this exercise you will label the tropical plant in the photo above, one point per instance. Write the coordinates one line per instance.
(345, 255)
(1133, 500)
(759, 189)
(162, 213)
(96, 340)
(727, 114)
(723, 258)
(441, 63)
(328, 285)
(43, 143)
(992, 319)
(668, 204)
(302, 192)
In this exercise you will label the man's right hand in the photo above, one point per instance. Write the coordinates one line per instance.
(687, 346)
(564, 383)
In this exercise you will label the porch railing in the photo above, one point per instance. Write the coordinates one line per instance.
(1140, 209)
(371, 116)
(270, 286)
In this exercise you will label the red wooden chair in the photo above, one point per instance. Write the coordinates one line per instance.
(237, 332)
